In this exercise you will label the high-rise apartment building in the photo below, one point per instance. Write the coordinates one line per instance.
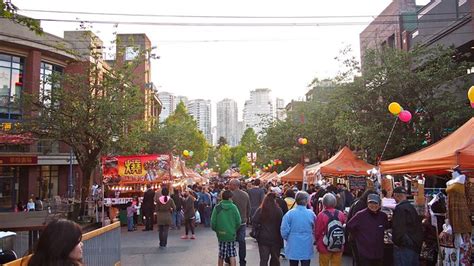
(227, 121)
(258, 110)
(167, 99)
(200, 110)
(280, 109)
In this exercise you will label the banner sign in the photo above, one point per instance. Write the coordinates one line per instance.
(135, 168)
(18, 160)
(357, 182)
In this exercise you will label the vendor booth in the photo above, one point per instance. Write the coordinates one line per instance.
(439, 158)
(452, 156)
(293, 174)
(343, 165)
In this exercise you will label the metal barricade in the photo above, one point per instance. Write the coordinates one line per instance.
(101, 247)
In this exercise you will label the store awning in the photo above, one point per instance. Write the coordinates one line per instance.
(344, 163)
(438, 158)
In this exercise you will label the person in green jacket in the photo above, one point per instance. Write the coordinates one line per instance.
(225, 221)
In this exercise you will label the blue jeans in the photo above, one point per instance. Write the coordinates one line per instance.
(130, 223)
(176, 217)
(405, 256)
(207, 216)
(242, 247)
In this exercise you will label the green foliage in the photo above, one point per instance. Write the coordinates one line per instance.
(179, 132)
(429, 82)
(223, 158)
(245, 167)
(9, 11)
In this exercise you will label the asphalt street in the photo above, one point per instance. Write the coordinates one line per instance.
(141, 248)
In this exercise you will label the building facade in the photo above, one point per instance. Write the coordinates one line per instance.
(227, 127)
(44, 168)
(258, 111)
(200, 110)
(280, 113)
(167, 99)
(390, 28)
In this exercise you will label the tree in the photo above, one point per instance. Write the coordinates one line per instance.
(9, 11)
(223, 158)
(87, 109)
(179, 132)
(222, 141)
(429, 82)
(245, 166)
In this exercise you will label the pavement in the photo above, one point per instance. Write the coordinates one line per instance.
(141, 248)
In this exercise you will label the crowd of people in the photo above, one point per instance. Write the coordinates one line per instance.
(285, 221)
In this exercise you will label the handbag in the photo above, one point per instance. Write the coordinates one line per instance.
(255, 232)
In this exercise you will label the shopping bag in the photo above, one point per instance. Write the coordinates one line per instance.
(198, 217)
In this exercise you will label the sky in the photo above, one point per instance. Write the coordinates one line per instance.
(217, 62)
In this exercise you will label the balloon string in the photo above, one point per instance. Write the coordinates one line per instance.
(386, 143)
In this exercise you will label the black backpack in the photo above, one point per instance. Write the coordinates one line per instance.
(334, 238)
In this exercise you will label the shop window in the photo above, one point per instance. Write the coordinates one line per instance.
(49, 181)
(11, 85)
(46, 146)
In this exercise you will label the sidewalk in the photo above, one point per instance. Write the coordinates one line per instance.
(141, 248)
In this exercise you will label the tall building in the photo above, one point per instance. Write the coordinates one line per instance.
(258, 110)
(227, 121)
(240, 131)
(200, 110)
(178, 99)
(280, 109)
(168, 101)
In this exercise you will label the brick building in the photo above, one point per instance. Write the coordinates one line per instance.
(44, 168)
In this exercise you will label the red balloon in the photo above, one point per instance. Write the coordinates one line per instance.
(405, 116)
(472, 104)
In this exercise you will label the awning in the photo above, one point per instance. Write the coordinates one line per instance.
(344, 163)
(438, 158)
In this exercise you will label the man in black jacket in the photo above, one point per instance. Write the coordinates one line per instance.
(407, 232)
(148, 207)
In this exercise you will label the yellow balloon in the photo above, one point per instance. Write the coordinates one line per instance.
(470, 94)
(186, 153)
(304, 141)
(394, 108)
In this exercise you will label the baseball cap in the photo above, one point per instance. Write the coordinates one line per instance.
(400, 190)
(373, 198)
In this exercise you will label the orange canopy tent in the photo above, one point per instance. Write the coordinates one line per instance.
(439, 158)
(294, 174)
(344, 163)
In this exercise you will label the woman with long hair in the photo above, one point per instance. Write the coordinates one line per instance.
(164, 208)
(266, 222)
(59, 244)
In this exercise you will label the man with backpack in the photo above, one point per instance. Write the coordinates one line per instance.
(329, 233)
(368, 227)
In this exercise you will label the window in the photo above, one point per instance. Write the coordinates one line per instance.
(11, 85)
(49, 180)
(131, 53)
(47, 146)
(46, 86)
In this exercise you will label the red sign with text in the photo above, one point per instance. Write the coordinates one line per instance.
(135, 168)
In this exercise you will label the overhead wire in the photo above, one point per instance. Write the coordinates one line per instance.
(219, 16)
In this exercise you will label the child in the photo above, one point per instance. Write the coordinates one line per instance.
(131, 210)
(225, 220)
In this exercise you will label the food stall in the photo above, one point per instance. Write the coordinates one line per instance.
(452, 157)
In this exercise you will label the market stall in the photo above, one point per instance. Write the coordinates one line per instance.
(454, 156)
(293, 174)
(343, 165)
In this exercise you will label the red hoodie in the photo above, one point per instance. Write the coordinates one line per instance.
(321, 228)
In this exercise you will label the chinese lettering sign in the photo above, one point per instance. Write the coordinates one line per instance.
(135, 168)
